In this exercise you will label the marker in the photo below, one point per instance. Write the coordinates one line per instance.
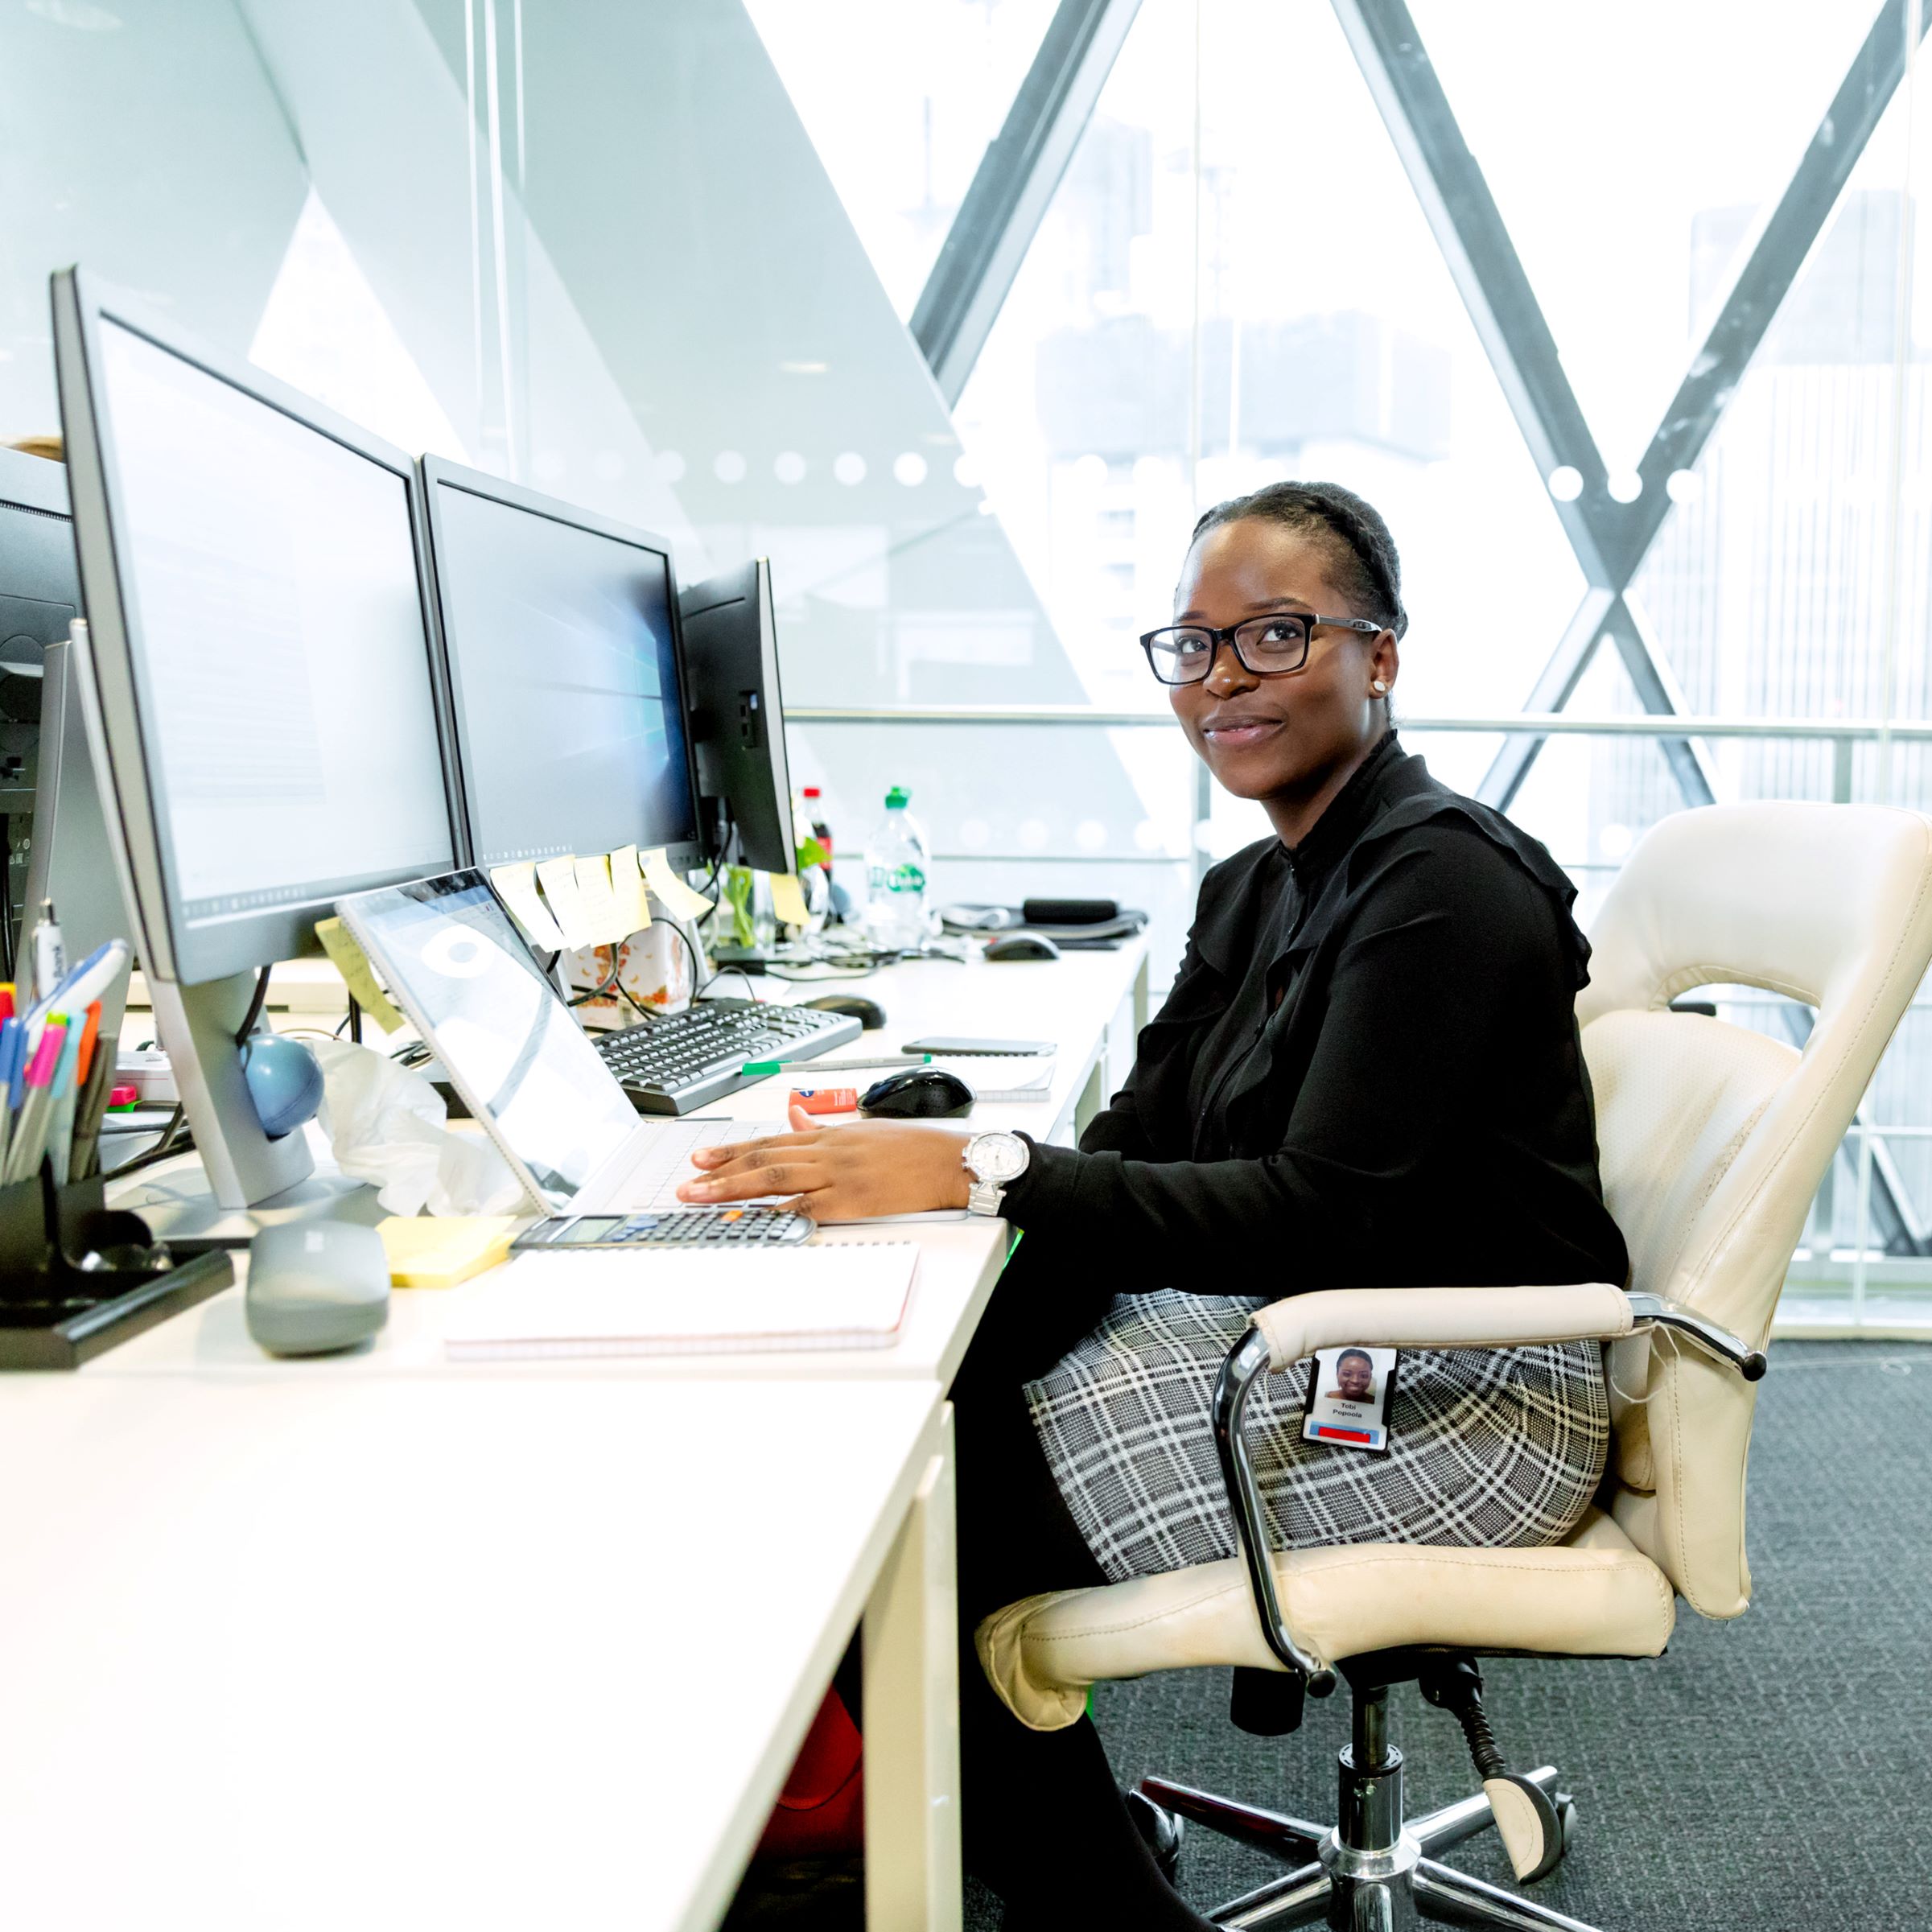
(30, 1130)
(10, 1038)
(61, 1115)
(50, 950)
(754, 1068)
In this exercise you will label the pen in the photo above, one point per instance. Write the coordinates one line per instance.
(753, 1068)
(30, 1130)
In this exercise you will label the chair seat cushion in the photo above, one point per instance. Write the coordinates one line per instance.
(1596, 1595)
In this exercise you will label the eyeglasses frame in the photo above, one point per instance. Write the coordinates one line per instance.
(1217, 638)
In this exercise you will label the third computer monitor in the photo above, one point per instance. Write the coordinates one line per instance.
(731, 663)
(558, 627)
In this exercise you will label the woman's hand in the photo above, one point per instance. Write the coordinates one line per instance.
(848, 1173)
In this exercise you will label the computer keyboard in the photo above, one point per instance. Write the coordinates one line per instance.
(687, 1059)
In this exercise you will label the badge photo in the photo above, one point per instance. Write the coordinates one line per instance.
(1350, 1392)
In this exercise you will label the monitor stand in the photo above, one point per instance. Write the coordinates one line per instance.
(179, 1207)
(198, 1025)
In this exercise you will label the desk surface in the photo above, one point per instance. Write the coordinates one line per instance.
(1070, 1000)
(448, 1653)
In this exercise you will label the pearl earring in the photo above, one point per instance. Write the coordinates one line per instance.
(1379, 687)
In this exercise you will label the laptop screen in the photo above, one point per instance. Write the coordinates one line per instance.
(511, 1049)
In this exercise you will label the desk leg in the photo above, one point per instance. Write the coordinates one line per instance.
(1140, 997)
(912, 1719)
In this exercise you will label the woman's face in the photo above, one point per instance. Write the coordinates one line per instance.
(1283, 736)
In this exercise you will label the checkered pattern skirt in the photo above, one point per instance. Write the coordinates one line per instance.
(1494, 1448)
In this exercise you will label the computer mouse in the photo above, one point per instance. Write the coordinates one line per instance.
(919, 1093)
(316, 1286)
(1022, 946)
(869, 1013)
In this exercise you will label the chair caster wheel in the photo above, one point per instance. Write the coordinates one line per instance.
(1565, 1807)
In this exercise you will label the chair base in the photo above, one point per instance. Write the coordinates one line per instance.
(1375, 1871)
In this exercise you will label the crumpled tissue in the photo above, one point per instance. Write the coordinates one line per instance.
(385, 1124)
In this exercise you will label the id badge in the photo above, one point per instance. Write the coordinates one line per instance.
(1349, 1393)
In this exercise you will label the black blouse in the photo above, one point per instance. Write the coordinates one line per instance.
(1367, 1074)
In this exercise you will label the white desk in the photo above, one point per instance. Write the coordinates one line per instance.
(1086, 1002)
(438, 1654)
(377, 1640)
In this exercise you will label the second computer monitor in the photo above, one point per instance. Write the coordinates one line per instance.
(559, 629)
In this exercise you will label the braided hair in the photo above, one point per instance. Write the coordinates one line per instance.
(1368, 572)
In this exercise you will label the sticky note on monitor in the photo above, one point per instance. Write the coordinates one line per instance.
(627, 888)
(558, 878)
(607, 921)
(788, 899)
(517, 886)
(352, 963)
(670, 891)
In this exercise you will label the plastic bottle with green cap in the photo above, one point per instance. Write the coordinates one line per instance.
(897, 873)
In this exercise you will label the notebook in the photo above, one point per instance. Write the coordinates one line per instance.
(686, 1301)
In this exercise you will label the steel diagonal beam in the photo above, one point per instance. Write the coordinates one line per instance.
(1482, 259)
(1783, 244)
(1013, 185)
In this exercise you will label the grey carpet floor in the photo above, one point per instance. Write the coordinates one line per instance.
(1771, 1774)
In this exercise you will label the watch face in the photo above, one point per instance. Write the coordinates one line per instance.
(998, 1156)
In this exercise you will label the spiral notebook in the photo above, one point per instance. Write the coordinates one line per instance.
(686, 1301)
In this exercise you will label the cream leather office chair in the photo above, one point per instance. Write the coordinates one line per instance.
(1714, 1141)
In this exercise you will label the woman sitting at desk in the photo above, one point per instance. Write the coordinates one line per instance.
(1367, 1074)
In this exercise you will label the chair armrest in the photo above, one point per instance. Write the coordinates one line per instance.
(1291, 1330)
(1485, 1318)
(1440, 1318)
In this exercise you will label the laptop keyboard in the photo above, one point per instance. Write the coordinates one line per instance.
(686, 1061)
(664, 1159)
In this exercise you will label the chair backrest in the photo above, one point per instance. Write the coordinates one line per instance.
(1714, 1139)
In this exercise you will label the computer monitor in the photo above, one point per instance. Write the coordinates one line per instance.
(260, 673)
(737, 715)
(560, 637)
(39, 597)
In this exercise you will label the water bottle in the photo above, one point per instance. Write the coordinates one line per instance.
(895, 868)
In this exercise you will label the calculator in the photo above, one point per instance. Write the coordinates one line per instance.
(673, 1227)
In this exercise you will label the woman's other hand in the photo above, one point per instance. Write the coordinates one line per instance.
(848, 1173)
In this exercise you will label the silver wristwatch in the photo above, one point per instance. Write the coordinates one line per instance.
(995, 1161)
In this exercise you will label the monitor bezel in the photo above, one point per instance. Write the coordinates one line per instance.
(436, 471)
(175, 951)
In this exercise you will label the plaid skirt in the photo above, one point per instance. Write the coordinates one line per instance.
(1490, 1447)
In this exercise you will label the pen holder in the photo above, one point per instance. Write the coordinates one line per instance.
(55, 1312)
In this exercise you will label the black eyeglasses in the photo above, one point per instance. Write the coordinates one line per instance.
(1266, 646)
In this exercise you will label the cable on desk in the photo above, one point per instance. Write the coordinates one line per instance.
(254, 1007)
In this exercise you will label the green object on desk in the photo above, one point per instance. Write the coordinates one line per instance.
(753, 1070)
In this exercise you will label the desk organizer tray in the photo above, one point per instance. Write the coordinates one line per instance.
(56, 1311)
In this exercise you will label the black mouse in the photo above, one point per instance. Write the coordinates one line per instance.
(919, 1093)
(869, 1013)
(1022, 946)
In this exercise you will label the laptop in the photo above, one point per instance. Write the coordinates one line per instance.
(457, 966)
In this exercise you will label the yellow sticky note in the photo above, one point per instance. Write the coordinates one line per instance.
(671, 892)
(517, 885)
(429, 1251)
(600, 905)
(626, 888)
(788, 898)
(353, 964)
(558, 878)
